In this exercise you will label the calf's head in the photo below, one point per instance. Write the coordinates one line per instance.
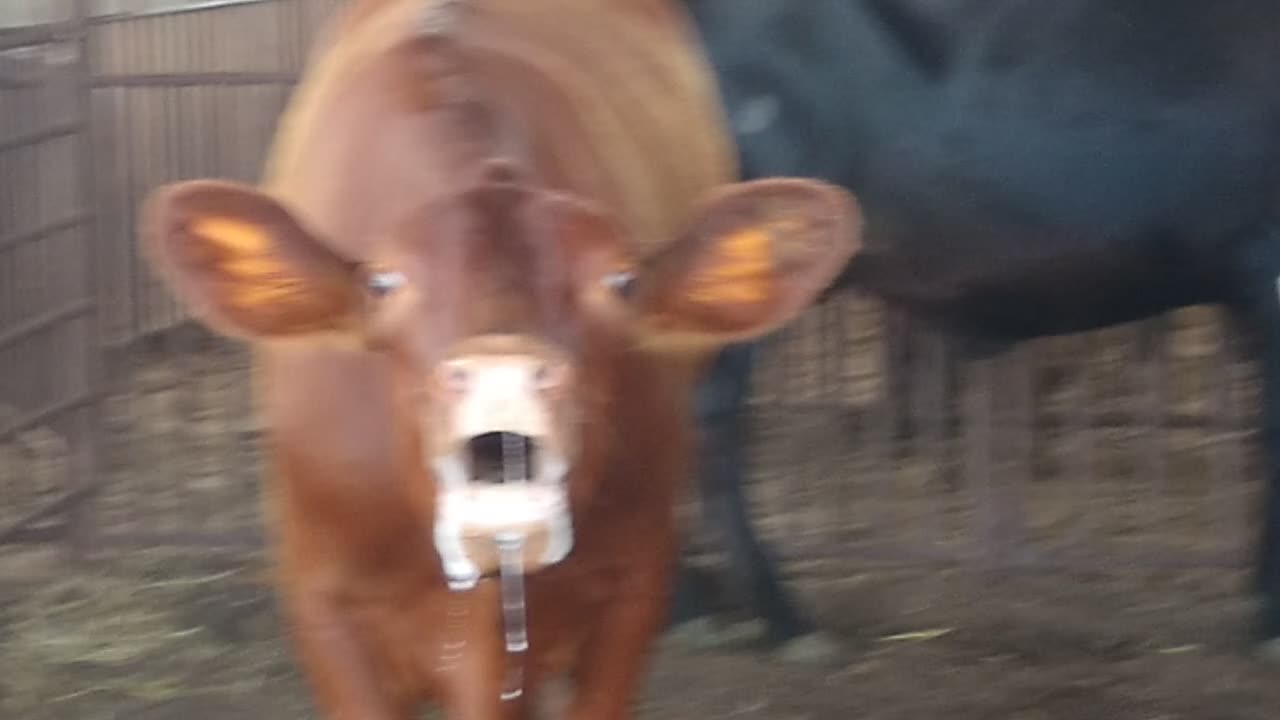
(508, 316)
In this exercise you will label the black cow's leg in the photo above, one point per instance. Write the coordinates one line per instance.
(719, 404)
(722, 475)
(1269, 554)
(1267, 569)
(690, 599)
(1267, 572)
(1261, 307)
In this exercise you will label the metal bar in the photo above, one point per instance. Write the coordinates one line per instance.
(173, 80)
(13, 79)
(164, 12)
(1224, 453)
(831, 345)
(999, 515)
(23, 525)
(934, 411)
(170, 515)
(52, 132)
(45, 414)
(1081, 423)
(884, 553)
(129, 175)
(87, 448)
(1048, 418)
(185, 406)
(46, 320)
(38, 535)
(30, 236)
(1002, 521)
(931, 432)
(1113, 558)
(36, 35)
(884, 430)
(897, 555)
(978, 458)
(231, 540)
(1153, 365)
(1021, 363)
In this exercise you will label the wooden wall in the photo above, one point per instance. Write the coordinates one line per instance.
(177, 96)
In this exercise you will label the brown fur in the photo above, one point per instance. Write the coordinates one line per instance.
(632, 119)
(620, 575)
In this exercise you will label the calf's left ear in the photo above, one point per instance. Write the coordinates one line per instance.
(757, 255)
(243, 264)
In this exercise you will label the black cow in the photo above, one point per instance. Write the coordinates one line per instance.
(1027, 168)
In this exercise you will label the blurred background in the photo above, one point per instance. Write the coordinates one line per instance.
(1061, 531)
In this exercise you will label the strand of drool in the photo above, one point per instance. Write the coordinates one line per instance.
(511, 570)
(511, 548)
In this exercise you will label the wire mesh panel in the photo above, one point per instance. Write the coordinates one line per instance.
(1151, 431)
(48, 344)
(178, 95)
(1127, 446)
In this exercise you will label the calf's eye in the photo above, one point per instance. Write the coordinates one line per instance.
(384, 282)
(621, 282)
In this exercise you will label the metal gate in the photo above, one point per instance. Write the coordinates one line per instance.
(1128, 447)
(49, 381)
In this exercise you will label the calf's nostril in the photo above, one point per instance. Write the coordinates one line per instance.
(549, 375)
(455, 377)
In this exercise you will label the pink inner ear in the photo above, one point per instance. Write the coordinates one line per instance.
(232, 234)
(761, 253)
(242, 264)
(740, 270)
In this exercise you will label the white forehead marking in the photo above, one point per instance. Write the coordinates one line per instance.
(757, 114)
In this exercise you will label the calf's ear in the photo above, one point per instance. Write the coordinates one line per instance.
(757, 255)
(243, 264)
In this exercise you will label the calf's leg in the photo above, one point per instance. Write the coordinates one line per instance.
(611, 669)
(337, 667)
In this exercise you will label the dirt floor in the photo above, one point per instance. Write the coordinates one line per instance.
(192, 633)
(156, 637)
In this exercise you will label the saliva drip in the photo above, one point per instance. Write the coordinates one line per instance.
(511, 568)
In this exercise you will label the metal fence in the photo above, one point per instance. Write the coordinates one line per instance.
(48, 330)
(872, 439)
(179, 95)
(1127, 447)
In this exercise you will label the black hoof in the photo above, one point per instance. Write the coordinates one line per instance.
(1268, 635)
(812, 649)
(705, 633)
(1268, 651)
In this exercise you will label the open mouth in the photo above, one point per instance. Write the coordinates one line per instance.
(498, 458)
(511, 481)
(498, 487)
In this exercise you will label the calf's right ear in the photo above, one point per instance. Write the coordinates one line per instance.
(243, 264)
(756, 256)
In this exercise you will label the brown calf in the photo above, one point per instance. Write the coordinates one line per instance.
(479, 289)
